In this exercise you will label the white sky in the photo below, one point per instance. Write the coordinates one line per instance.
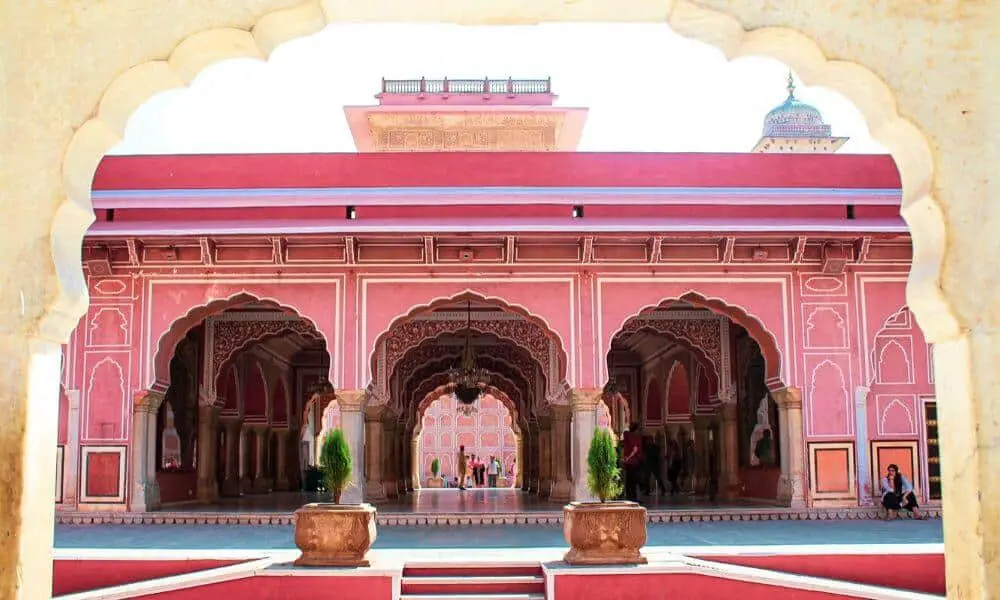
(647, 89)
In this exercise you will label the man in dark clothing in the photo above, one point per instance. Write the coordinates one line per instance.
(632, 459)
(654, 466)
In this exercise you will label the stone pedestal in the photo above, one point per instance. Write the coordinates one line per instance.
(145, 489)
(562, 485)
(584, 405)
(791, 488)
(352, 421)
(208, 489)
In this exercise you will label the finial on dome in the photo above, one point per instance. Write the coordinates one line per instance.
(791, 85)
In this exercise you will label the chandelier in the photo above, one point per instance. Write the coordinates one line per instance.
(469, 380)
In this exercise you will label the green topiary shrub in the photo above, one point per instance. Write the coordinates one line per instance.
(603, 475)
(435, 467)
(335, 462)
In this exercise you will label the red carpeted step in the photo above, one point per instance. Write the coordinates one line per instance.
(478, 581)
(436, 570)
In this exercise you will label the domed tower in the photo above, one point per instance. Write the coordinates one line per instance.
(794, 126)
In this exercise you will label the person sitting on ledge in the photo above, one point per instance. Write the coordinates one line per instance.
(897, 493)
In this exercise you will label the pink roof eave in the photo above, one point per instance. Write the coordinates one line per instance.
(460, 196)
(643, 226)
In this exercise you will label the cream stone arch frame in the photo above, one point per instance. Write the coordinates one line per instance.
(933, 56)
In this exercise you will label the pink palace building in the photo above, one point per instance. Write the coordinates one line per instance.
(243, 305)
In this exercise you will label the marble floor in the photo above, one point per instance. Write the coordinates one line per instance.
(474, 501)
(661, 535)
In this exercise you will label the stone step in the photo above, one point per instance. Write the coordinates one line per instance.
(472, 597)
(473, 585)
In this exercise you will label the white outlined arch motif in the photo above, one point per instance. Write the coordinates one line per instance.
(731, 312)
(159, 377)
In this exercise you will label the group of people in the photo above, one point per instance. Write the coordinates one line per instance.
(643, 460)
(473, 471)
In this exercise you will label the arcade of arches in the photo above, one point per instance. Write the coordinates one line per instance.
(240, 406)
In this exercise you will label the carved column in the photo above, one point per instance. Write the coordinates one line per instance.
(518, 459)
(534, 452)
(246, 443)
(352, 421)
(207, 482)
(865, 483)
(699, 482)
(562, 485)
(389, 487)
(231, 479)
(729, 467)
(145, 489)
(525, 464)
(791, 488)
(584, 404)
(374, 491)
(71, 456)
(414, 468)
(281, 469)
(545, 456)
(260, 439)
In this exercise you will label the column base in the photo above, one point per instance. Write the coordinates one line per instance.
(246, 485)
(231, 487)
(146, 497)
(390, 489)
(207, 491)
(582, 494)
(562, 491)
(282, 485)
(545, 488)
(263, 485)
(374, 491)
(790, 493)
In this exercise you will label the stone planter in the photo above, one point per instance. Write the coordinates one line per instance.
(608, 533)
(334, 535)
(435, 482)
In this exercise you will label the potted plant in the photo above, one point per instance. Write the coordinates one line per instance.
(435, 480)
(607, 532)
(335, 534)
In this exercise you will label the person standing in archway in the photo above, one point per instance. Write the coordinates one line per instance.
(463, 468)
(632, 459)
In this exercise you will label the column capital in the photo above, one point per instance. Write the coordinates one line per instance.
(728, 411)
(147, 401)
(788, 398)
(561, 412)
(728, 396)
(351, 400)
(373, 413)
(583, 399)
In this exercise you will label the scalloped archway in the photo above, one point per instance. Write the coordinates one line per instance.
(388, 345)
(764, 338)
(946, 309)
(168, 339)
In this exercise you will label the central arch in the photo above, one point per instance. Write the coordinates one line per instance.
(530, 332)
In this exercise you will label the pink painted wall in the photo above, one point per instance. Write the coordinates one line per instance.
(678, 391)
(833, 333)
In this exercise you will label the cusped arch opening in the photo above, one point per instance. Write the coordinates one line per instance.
(378, 371)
